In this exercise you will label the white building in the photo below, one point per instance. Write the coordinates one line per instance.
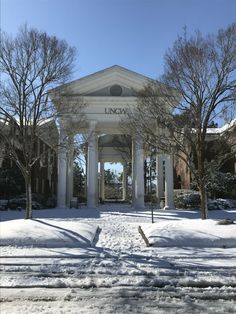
(107, 96)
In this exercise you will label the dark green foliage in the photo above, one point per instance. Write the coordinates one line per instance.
(11, 181)
(79, 180)
(222, 185)
(110, 176)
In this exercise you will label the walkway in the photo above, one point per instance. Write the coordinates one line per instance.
(121, 276)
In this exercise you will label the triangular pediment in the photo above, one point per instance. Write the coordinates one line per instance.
(114, 90)
(102, 82)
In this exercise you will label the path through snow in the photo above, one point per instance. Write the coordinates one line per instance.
(120, 275)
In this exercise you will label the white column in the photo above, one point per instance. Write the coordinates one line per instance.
(86, 170)
(92, 170)
(62, 169)
(169, 183)
(160, 177)
(139, 174)
(102, 181)
(70, 171)
(125, 182)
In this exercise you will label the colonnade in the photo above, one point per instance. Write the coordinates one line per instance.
(164, 166)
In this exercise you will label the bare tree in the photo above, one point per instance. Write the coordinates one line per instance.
(31, 63)
(197, 88)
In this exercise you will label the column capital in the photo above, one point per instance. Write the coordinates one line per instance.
(138, 141)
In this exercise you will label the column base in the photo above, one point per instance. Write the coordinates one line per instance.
(91, 207)
(92, 204)
(139, 205)
(62, 207)
(169, 208)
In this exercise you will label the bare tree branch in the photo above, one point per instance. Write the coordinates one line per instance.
(32, 63)
(199, 86)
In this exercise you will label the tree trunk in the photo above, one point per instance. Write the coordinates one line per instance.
(203, 195)
(28, 191)
(201, 176)
(145, 178)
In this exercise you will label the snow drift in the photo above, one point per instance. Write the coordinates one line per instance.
(47, 233)
(191, 233)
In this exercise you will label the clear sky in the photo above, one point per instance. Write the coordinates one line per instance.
(131, 33)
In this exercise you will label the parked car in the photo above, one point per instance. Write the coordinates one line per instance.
(3, 204)
(213, 205)
(20, 204)
(193, 201)
(226, 203)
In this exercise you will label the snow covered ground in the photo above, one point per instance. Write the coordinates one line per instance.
(47, 233)
(120, 274)
(197, 233)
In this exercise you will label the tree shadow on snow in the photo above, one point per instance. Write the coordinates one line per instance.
(72, 235)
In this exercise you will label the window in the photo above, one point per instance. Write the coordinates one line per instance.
(116, 90)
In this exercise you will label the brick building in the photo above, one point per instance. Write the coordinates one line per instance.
(182, 172)
(44, 172)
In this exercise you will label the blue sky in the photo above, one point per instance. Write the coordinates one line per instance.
(131, 33)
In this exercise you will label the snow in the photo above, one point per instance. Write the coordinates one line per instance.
(47, 233)
(194, 233)
(224, 128)
(118, 273)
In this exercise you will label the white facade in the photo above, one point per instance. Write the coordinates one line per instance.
(107, 96)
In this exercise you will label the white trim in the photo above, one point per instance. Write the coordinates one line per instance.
(108, 76)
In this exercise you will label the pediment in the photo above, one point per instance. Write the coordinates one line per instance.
(113, 90)
(100, 83)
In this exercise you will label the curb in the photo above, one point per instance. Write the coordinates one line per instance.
(140, 230)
